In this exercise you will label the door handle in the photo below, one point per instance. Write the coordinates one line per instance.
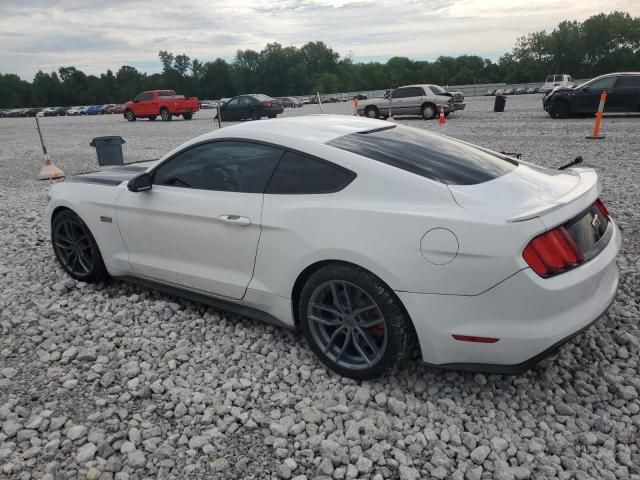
(235, 220)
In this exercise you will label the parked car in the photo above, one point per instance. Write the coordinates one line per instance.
(284, 221)
(508, 91)
(490, 92)
(532, 90)
(55, 111)
(253, 106)
(30, 112)
(94, 110)
(623, 95)
(519, 91)
(360, 96)
(558, 80)
(165, 103)
(16, 112)
(206, 105)
(113, 109)
(290, 102)
(425, 100)
(74, 111)
(106, 109)
(500, 91)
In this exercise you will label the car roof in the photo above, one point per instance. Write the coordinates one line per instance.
(311, 129)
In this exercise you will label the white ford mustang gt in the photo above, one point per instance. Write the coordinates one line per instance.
(364, 234)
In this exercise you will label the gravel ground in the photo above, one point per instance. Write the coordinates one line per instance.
(117, 382)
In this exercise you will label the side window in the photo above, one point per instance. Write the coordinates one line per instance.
(298, 174)
(628, 81)
(224, 166)
(245, 101)
(399, 93)
(558, 78)
(234, 101)
(415, 92)
(141, 97)
(603, 83)
(549, 79)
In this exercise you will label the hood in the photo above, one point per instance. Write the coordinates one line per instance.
(113, 175)
(526, 192)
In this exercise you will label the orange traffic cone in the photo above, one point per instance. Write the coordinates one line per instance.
(442, 120)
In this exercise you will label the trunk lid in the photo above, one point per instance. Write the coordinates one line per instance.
(529, 192)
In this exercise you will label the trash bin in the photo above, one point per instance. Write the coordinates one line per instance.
(498, 105)
(109, 150)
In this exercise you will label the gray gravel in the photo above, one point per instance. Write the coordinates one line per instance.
(117, 382)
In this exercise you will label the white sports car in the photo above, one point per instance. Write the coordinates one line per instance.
(366, 235)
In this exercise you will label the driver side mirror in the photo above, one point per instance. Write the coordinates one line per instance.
(140, 183)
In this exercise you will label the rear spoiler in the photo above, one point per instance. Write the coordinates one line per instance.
(586, 192)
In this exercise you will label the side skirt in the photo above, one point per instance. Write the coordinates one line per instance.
(243, 310)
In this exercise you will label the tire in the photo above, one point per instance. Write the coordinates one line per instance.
(255, 115)
(429, 111)
(129, 115)
(165, 114)
(559, 109)
(187, 116)
(75, 248)
(153, 118)
(371, 112)
(391, 334)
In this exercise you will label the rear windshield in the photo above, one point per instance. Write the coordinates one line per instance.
(429, 155)
(262, 97)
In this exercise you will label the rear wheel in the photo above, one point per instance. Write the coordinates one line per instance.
(165, 114)
(353, 322)
(371, 112)
(76, 249)
(187, 116)
(429, 111)
(559, 109)
(273, 116)
(129, 115)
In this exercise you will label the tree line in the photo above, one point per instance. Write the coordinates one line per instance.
(603, 43)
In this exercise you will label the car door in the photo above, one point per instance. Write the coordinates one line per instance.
(413, 101)
(246, 105)
(145, 103)
(587, 98)
(231, 110)
(398, 103)
(198, 226)
(625, 95)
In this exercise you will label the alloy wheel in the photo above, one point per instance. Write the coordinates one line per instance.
(73, 245)
(347, 325)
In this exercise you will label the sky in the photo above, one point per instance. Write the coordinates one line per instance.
(96, 35)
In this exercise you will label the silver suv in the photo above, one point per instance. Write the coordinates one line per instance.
(424, 100)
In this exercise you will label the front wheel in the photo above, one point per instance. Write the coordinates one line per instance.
(353, 322)
(165, 114)
(187, 116)
(428, 111)
(76, 249)
(129, 115)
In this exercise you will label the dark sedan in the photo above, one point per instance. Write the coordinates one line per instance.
(253, 106)
(623, 95)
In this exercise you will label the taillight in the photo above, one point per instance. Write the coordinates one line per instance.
(601, 208)
(552, 252)
(266, 104)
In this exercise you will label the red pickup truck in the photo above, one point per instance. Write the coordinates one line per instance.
(161, 102)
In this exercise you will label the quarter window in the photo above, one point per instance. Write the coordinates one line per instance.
(224, 166)
(300, 174)
(426, 154)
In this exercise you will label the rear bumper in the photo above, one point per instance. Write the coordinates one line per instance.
(531, 316)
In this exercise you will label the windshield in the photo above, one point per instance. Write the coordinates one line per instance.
(437, 89)
(429, 155)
